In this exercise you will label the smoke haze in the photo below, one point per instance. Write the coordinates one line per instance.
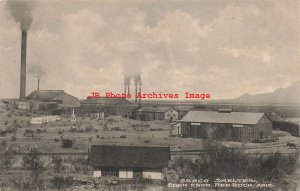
(226, 48)
(37, 70)
(21, 11)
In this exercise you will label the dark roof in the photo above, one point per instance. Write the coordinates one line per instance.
(221, 117)
(183, 108)
(54, 95)
(274, 117)
(106, 101)
(154, 109)
(129, 156)
(44, 95)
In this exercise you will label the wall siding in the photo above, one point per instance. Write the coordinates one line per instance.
(171, 115)
(97, 173)
(154, 175)
(125, 173)
(264, 128)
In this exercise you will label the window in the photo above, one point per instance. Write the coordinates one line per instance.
(237, 125)
(195, 123)
(110, 172)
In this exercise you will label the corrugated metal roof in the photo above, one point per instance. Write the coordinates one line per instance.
(44, 95)
(220, 117)
(104, 100)
(129, 156)
(67, 100)
(53, 95)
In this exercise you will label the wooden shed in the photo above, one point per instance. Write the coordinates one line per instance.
(182, 110)
(156, 113)
(226, 125)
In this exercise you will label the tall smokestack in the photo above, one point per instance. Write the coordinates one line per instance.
(23, 66)
(38, 87)
(21, 12)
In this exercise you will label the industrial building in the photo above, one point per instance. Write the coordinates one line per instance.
(226, 125)
(108, 106)
(129, 162)
(156, 113)
(52, 102)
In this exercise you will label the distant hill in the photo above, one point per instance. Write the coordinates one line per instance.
(288, 95)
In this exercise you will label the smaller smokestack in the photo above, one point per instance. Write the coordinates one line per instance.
(140, 91)
(38, 87)
(125, 86)
(128, 88)
(136, 89)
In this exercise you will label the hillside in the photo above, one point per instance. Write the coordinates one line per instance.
(288, 95)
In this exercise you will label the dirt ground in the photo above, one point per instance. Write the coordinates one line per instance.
(112, 131)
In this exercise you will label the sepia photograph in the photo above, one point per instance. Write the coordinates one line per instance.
(149, 95)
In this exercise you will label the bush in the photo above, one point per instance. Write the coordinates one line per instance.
(287, 126)
(57, 163)
(38, 130)
(89, 128)
(105, 128)
(116, 129)
(158, 129)
(22, 183)
(67, 143)
(35, 165)
(6, 159)
(60, 181)
(13, 138)
(3, 143)
(227, 163)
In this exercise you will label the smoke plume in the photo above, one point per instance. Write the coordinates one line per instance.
(21, 11)
(36, 70)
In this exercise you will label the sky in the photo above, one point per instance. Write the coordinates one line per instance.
(222, 47)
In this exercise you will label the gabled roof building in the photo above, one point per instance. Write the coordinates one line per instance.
(108, 106)
(156, 113)
(50, 100)
(226, 125)
(128, 162)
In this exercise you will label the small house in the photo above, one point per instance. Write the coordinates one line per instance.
(129, 162)
(182, 110)
(156, 113)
